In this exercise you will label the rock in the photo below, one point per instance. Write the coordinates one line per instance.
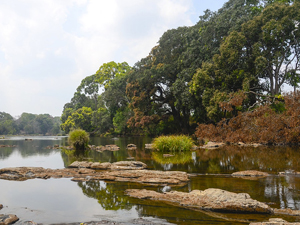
(28, 139)
(275, 221)
(166, 189)
(82, 164)
(152, 177)
(101, 166)
(213, 145)
(167, 155)
(210, 199)
(131, 146)
(128, 165)
(195, 147)
(8, 219)
(289, 212)
(148, 146)
(112, 147)
(288, 172)
(250, 173)
(1, 206)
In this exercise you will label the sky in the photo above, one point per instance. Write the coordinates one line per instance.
(48, 46)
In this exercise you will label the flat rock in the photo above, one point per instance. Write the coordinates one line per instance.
(289, 212)
(275, 221)
(101, 166)
(80, 164)
(211, 199)
(213, 145)
(8, 219)
(250, 173)
(128, 165)
(152, 177)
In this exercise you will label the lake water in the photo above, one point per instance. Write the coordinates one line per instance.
(57, 201)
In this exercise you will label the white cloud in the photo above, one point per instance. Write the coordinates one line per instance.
(49, 46)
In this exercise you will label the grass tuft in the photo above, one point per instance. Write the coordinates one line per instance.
(174, 143)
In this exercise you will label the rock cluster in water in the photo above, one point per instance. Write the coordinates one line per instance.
(126, 171)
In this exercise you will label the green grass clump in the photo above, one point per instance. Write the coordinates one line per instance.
(79, 139)
(175, 143)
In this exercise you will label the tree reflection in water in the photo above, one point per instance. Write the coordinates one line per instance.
(109, 196)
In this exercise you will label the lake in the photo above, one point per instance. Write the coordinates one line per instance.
(57, 201)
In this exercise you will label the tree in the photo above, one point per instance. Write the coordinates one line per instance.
(80, 119)
(7, 124)
(269, 45)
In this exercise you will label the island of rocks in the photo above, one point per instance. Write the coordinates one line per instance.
(126, 171)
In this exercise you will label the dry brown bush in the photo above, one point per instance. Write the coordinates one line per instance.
(262, 125)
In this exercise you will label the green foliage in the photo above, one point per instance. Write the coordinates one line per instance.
(176, 158)
(174, 143)
(79, 139)
(81, 118)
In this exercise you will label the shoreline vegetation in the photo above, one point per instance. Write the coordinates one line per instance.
(217, 81)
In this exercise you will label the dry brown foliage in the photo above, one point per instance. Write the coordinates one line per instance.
(262, 125)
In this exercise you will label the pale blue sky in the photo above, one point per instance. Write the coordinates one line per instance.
(48, 46)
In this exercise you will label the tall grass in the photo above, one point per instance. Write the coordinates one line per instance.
(79, 139)
(174, 143)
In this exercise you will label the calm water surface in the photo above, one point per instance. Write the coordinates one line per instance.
(63, 201)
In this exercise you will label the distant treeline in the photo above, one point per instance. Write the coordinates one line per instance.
(227, 63)
(27, 123)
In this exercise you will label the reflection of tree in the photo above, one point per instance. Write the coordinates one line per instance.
(176, 158)
(28, 148)
(269, 159)
(284, 190)
(109, 196)
(5, 152)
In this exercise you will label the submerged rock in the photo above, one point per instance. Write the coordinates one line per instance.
(8, 219)
(210, 199)
(275, 221)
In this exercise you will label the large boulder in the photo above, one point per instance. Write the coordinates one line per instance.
(8, 219)
(211, 199)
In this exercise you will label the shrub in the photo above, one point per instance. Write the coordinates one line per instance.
(79, 139)
(277, 123)
(173, 143)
